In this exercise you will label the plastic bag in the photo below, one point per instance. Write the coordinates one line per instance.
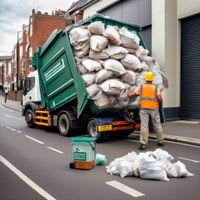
(98, 56)
(129, 77)
(92, 90)
(100, 159)
(149, 168)
(116, 52)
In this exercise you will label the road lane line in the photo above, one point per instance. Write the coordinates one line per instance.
(19, 132)
(125, 188)
(35, 140)
(26, 179)
(9, 116)
(56, 150)
(195, 161)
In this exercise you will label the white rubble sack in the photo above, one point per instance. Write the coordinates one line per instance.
(112, 34)
(103, 75)
(98, 43)
(92, 90)
(112, 87)
(114, 66)
(156, 165)
(88, 78)
(96, 28)
(116, 52)
(132, 62)
(91, 65)
(129, 39)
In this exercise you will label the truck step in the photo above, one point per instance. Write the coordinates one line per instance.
(42, 118)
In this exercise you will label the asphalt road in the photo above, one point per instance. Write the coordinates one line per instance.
(35, 165)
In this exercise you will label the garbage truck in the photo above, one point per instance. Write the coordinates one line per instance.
(55, 94)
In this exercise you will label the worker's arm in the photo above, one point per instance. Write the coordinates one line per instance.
(136, 92)
(159, 96)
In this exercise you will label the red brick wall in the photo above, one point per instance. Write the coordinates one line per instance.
(42, 27)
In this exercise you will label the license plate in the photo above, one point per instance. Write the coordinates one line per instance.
(105, 128)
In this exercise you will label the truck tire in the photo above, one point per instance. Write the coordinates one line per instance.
(29, 117)
(64, 125)
(92, 131)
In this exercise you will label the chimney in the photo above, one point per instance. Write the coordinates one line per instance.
(78, 16)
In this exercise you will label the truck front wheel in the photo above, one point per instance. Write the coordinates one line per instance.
(29, 117)
(64, 125)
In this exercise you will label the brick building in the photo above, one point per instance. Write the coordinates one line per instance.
(34, 35)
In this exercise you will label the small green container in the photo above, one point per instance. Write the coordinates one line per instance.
(84, 151)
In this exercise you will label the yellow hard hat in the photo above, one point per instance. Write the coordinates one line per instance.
(149, 76)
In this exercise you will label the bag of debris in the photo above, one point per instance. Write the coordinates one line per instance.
(103, 101)
(88, 78)
(91, 65)
(103, 75)
(98, 43)
(116, 52)
(140, 78)
(129, 77)
(132, 62)
(134, 101)
(130, 50)
(164, 79)
(129, 39)
(96, 28)
(92, 90)
(141, 52)
(99, 56)
(145, 67)
(123, 99)
(114, 66)
(79, 34)
(112, 34)
(150, 168)
(178, 169)
(81, 69)
(81, 45)
(112, 87)
(82, 52)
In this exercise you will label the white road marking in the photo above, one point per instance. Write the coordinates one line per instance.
(56, 150)
(26, 179)
(9, 116)
(19, 132)
(125, 188)
(186, 122)
(195, 161)
(38, 141)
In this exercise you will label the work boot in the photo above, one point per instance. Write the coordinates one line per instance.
(142, 147)
(161, 144)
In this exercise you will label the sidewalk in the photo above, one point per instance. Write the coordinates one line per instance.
(179, 131)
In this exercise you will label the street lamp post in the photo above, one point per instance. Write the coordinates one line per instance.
(17, 60)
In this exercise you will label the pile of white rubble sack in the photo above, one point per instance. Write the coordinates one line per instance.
(155, 165)
(111, 63)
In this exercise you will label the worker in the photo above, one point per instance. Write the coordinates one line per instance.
(150, 97)
(6, 93)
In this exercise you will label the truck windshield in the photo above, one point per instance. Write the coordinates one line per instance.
(29, 84)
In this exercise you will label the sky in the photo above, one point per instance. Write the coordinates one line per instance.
(15, 13)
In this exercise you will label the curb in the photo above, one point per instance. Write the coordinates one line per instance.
(175, 138)
(11, 107)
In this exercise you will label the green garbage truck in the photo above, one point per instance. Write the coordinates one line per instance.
(55, 94)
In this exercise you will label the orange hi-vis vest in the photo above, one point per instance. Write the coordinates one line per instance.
(148, 96)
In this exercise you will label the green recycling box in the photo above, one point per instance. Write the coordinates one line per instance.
(84, 152)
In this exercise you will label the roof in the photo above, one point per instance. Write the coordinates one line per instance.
(77, 5)
(2, 58)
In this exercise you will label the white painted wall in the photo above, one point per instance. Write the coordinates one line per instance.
(165, 46)
(187, 8)
(97, 7)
